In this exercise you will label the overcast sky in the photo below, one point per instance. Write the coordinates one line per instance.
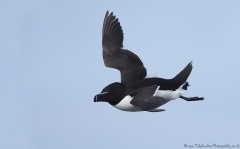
(51, 67)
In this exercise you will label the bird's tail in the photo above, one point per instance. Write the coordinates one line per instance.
(181, 78)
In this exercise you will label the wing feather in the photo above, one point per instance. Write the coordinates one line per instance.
(127, 62)
(144, 99)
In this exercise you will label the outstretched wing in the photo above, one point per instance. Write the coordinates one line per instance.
(144, 99)
(114, 56)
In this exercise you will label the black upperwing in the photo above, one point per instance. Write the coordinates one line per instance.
(127, 62)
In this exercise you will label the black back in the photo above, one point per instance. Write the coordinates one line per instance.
(120, 90)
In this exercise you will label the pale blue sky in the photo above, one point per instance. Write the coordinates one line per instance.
(51, 67)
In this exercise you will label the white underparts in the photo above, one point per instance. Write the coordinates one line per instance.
(168, 95)
(125, 105)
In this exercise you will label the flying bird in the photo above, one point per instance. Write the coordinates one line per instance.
(136, 92)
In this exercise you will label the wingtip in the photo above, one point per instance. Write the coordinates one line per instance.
(106, 15)
(109, 15)
(112, 33)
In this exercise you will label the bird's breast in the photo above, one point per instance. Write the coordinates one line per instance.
(125, 105)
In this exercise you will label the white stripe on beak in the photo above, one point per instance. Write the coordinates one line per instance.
(103, 93)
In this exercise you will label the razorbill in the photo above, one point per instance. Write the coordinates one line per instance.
(135, 92)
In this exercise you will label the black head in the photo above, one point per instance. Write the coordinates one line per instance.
(113, 93)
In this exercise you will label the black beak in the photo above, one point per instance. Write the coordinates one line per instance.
(95, 98)
(100, 97)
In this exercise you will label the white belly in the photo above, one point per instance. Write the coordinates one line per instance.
(125, 105)
(168, 95)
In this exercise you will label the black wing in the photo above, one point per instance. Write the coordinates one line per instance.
(127, 62)
(144, 99)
